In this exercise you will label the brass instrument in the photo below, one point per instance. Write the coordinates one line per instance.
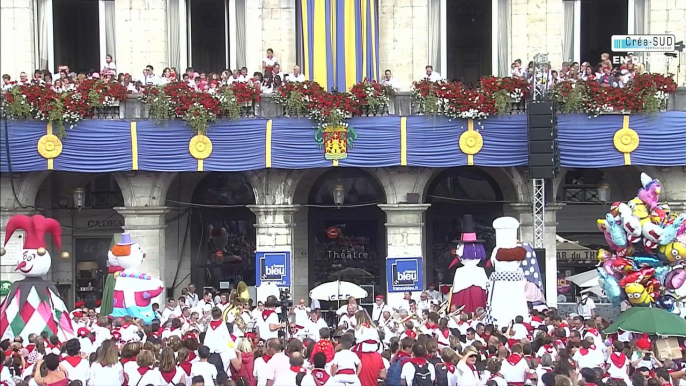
(237, 298)
(443, 307)
(456, 312)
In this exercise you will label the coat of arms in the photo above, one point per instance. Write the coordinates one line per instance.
(335, 139)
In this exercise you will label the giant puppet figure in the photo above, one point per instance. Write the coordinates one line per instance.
(469, 284)
(33, 304)
(515, 267)
(133, 291)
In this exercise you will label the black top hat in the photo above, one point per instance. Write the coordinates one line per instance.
(468, 231)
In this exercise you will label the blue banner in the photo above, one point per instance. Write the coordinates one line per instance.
(273, 267)
(404, 274)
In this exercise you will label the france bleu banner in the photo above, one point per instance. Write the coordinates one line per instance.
(273, 267)
(340, 41)
(404, 274)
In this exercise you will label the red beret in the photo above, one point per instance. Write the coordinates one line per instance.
(379, 296)
(82, 332)
(79, 304)
(78, 314)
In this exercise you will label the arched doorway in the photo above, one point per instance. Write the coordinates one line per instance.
(347, 241)
(452, 194)
(222, 232)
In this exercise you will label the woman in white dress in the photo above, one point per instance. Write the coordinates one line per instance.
(106, 369)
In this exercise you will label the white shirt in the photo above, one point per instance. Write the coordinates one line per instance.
(344, 309)
(301, 316)
(201, 304)
(106, 376)
(296, 78)
(586, 310)
(392, 83)
(377, 312)
(434, 77)
(346, 360)
(423, 305)
(110, 66)
(287, 379)
(207, 370)
(101, 335)
(515, 373)
(151, 377)
(270, 62)
(520, 331)
(540, 371)
(192, 299)
(5, 376)
(590, 360)
(618, 372)
(263, 326)
(240, 78)
(81, 371)
(260, 371)
(256, 314)
(278, 367)
(347, 322)
(407, 372)
(314, 327)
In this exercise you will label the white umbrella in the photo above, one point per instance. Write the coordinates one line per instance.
(596, 290)
(337, 290)
(585, 279)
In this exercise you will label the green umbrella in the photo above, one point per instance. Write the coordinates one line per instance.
(647, 320)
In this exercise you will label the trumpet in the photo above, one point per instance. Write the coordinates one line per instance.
(456, 312)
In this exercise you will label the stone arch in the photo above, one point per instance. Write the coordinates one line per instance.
(624, 181)
(141, 189)
(274, 186)
(310, 177)
(26, 188)
(510, 182)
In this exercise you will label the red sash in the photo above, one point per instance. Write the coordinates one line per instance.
(346, 371)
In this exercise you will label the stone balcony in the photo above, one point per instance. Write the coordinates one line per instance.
(400, 104)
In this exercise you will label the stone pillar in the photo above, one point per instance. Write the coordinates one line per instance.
(17, 39)
(147, 228)
(526, 234)
(404, 235)
(275, 227)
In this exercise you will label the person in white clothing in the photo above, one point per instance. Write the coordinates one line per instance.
(586, 307)
(515, 369)
(348, 321)
(297, 75)
(203, 368)
(206, 300)
(546, 366)
(77, 367)
(269, 61)
(617, 364)
(389, 81)
(346, 365)
(588, 355)
(191, 296)
(144, 374)
(432, 75)
(106, 369)
(218, 341)
(295, 371)
(301, 313)
(278, 365)
(379, 308)
(314, 324)
(5, 374)
(417, 366)
(344, 308)
(268, 324)
(492, 373)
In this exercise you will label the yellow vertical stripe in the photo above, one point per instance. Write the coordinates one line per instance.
(350, 44)
(334, 163)
(201, 165)
(470, 127)
(625, 125)
(51, 162)
(320, 67)
(363, 14)
(268, 145)
(403, 141)
(333, 36)
(372, 17)
(306, 41)
(134, 146)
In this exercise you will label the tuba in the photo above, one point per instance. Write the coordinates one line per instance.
(237, 298)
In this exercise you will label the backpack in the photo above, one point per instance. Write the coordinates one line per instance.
(441, 374)
(434, 360)
(393, 373)
(422, 375)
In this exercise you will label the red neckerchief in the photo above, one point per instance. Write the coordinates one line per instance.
(215, 324)
(73, 360)
(143, 370)
(233, 337)
(186, 367)
(583, 351)
(191, 356)
(30, 347)
(495, 375)
(169, 375)
(536, 319)
(297, 369)
(266, 358)
(563, 325)
(445, 332)
(593, 331)
(125, 325)
(172, 329)
(592, 347)
(474, 371)
(514, 359)
(127, 360)
(223, 303)
(548, 348)
(461, 323)
(417, 361)
(618, 359)
(531, 357)
(485, 337)
(431, 326)
(450, 368)
(266, 313)
(561, 342)
(321, 375)
(401, 354)
(411, 334)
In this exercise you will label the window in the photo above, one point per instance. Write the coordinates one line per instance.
(581, 186)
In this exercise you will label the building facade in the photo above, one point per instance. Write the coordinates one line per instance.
(462, 39)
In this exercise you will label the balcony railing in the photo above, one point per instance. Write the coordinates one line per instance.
(400, 104)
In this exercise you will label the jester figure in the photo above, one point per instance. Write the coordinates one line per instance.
(469, 284)
(33, 304)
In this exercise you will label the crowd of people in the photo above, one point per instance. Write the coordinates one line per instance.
(208, 340)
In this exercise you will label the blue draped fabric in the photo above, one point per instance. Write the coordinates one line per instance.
(236, 146)
(340, 40)
(23, 140)
(105, 146)
(96, 145)
(588, 142)
(164, 148)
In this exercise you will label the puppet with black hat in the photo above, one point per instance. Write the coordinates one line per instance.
(469, 284)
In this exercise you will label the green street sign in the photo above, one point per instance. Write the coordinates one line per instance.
(5, 287)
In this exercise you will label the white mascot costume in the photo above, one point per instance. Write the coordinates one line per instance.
(133, 290)
(33, 304)
(507, 285)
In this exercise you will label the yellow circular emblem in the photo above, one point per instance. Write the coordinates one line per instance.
(626, 140)
(471, 142)
(49, 146)
(200, 147)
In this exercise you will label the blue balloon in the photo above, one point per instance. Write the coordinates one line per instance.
(616, 231)
(666, 302)
(661, 274)
(646, 262)
(611, 288)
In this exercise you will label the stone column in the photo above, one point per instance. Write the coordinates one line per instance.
(275, 227)
(147, 226)
(404, 235)
(526, 229)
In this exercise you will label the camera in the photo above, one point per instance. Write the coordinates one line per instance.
(285, 300)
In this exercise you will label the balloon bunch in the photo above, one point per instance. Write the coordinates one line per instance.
(648, 251)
